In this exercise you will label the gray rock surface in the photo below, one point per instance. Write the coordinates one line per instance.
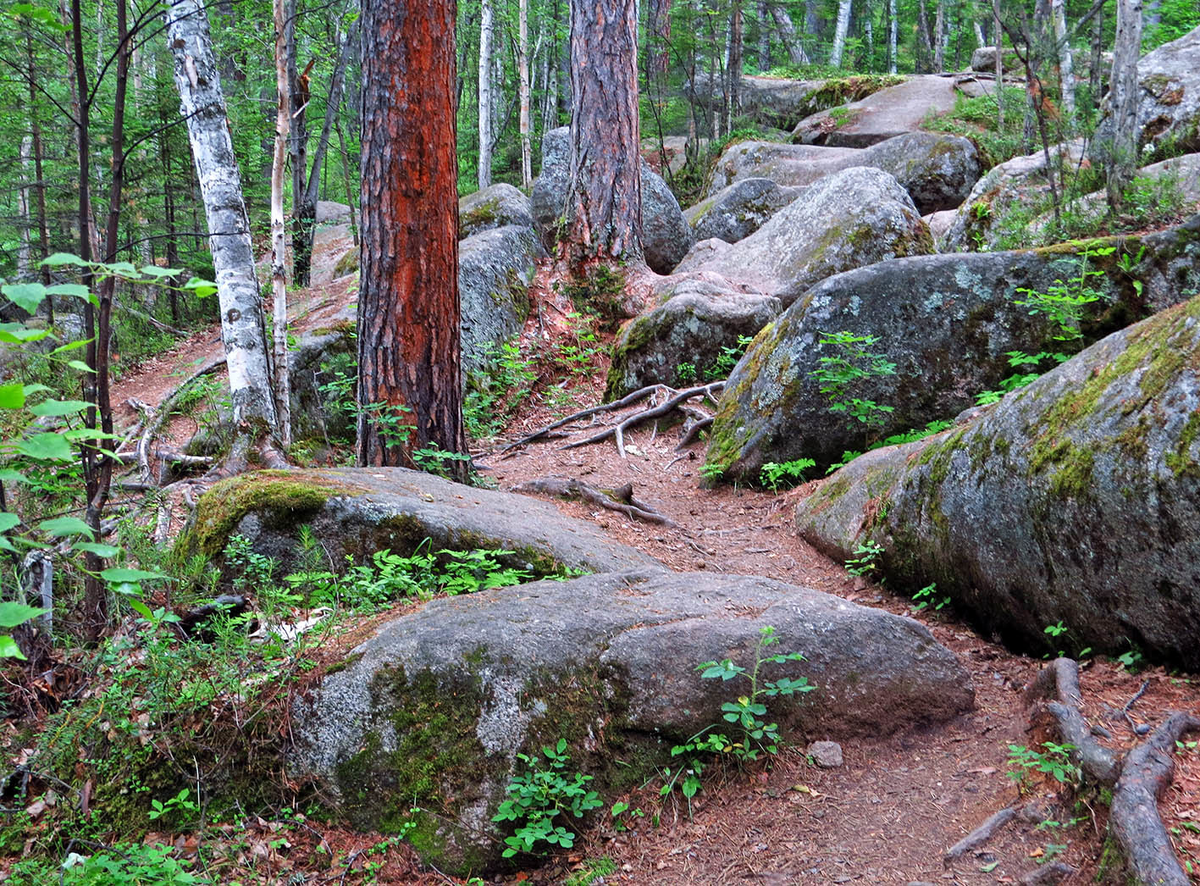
(666, 236)
(357, 511)
(330, 213)
(786, 165)
(493, 207)
(739, 210)
(1075, 499)
(946, 321)
(851, 218)
(315, 413)
(606, 662)
(983, 59)
(495, 268)
(782, 103)
(696, 317)
(882, 115)
(1168, 115)
(826, 754)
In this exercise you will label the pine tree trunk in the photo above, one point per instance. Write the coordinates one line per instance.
(408, 307)
(486, 33)
(839, 35)
(939, 31)
(203, 107)
(1122, 153)
(605, 197)
(734, 62)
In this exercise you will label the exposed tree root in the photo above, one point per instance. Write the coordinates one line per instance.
(620, 500)
(1060, 680)
(1047, 875)
(1134, 821)
(978, 837)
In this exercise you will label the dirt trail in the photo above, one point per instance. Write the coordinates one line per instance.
(888, 814)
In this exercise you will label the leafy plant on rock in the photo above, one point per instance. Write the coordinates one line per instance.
(842, 373)
(541, 794)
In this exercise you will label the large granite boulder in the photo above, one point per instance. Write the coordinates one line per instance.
(852, 218)
(495, 268)
(357, 511)
(1168, 113)
(433, 710)
(698, 322)
(666, 236)
(882, 115)
(496, 206)
(789, 166)
(739, 210)
(983, 59)
(946, 321)
(1075, 500)
(781, 103)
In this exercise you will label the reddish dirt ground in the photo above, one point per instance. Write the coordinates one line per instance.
(898, 802)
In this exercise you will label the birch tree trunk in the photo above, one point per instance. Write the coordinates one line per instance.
(1123, 97)
(839, 34)
(282, 388)
(487, 29)
(523, 87)
(980, 42)
(23, 249)
(893, 27)
(203, 107)
(787, 35)
(1066, 65)
(939, 31)
(764, 37)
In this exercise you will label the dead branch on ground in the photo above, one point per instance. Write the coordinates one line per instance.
(620, 500)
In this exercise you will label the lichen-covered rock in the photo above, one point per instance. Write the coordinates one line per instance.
(493, 207)
(495, 268)
(946, 321)
(315, 412)
(358, 511)
(331, 213)
(1168, 110)
(739, 210)
(789, 166)
(852, 218)
(698, 320)
(781, 103)
(936, 169)
(666, 236)
(1074, 500)
(433, 710)
(882, 115)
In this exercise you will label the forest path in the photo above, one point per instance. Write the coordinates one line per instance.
(898, 802)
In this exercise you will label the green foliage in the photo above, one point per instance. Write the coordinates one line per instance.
(539, 795)
(125, 864)
(592, 871)
(727, 359)
(867, 560)
(977, 119)
(1054, 760)
(928, 596)
(497, 393)
(841, 373)
(775, 474)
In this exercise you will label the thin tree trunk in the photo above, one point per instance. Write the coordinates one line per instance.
(203, 107)
(1123, 98)
(839, 34)
(35, 131)
(486, 98)
(346, 181)
(1095, 75)
(787, 35)
(999, 33)
(893, 27)
(869, 34)
(523, 92)
(1066, 64)
(764, 37)
(303, 214)
(408, 308)
(939, 31)
(980, 41)
(282, 388)
(734, 62)
(23, 249)
(924, 59)
(605, 196)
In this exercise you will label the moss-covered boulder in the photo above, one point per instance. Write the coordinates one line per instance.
(739, 210)
(495, 268)
(852, 218)
(689, 336)
(432, 712)
(936, 169)
(493, 207)
(1074, 500)
(882, 115)
(312, 364)
(947, 322)
(358, 511)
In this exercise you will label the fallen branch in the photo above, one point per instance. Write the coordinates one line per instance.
(1029, 812)
(620, 500)
(1134, 820)
(1048, 874)
(618, 430)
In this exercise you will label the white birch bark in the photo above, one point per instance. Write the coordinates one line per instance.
(487, 27)
(1123, 98)
(1066, 64)
(787, 35)
(203, 107)
(893, 26)
(23, 251)
(939, 41)
(283, 121)
(979, 41)
(839, 34)
(523, 87)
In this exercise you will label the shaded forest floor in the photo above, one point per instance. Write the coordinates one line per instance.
(898, 802)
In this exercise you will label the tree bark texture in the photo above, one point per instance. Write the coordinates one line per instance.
(893, 25)
(523, 92)
(1066, 63)
(203, 106)
(605, 198)
(282, 388)
(1122, 152)
(408, 305)
(787, 35)
(487, 29)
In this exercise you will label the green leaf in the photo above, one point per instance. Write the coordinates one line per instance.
(155, 271)
(71, 346)
(9, 648)
(8, 521)
(25, 295)
(76, 434)
(65, 258)
(13, 614)
(202, 288)
(75, 290)
(12, 396)
(95, 547)
(8, 475)
(52, 447)
(30, 390)
(59, 407)
(124, 574)
(19, 333)
(80, 365)
(141, 609)
(121, 269)
(64, 526)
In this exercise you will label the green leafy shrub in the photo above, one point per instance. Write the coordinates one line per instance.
(539, 795)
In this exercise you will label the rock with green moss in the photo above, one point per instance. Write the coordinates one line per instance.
(789, 166)
(495, 268)
(1073, 500)
(493, 207)
(947, 322)
(1168, 101)
(693, 334)
(852, 218)
(317, 413)
(882, 115)
(739, 210)
(357, 511)
(433, 710)
(781, 103)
